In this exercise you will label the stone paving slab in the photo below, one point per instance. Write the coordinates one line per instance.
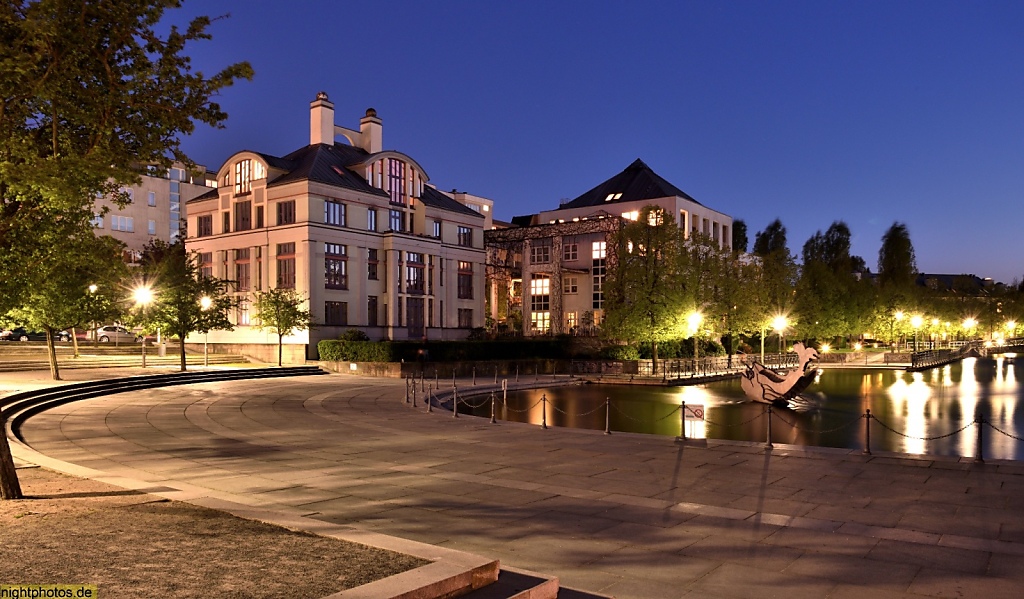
(624, 514)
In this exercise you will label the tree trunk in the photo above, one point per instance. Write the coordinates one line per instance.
(654, 357)
(280, 344)
(74, 341)
(51, 353)
(9, 487)
(182, 353)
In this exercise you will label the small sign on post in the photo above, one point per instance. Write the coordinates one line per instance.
(693, 420)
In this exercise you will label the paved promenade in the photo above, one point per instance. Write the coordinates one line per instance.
(628, 515)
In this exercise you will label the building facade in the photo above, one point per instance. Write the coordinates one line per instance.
(156, 210)
(549, 269)
(356, 229)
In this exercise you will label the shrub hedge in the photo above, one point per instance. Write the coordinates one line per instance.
(339, 350)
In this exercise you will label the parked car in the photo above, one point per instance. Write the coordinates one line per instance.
(21, 334)
(113, 334)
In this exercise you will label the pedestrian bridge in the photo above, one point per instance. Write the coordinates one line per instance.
(934, 358)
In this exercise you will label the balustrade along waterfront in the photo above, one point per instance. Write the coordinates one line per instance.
(972, 408)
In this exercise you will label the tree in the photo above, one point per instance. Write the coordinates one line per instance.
(179, 287)
(64, 284)
(739, 237)
(280, 310)
(779, 270)
(897, 265)
(90, 94)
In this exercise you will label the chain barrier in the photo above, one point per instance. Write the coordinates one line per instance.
(475, 406)
(999, 430)
(935, 438)
(814, 430)
(713, 423)
(510, 409)
(628, 417)
(561, 411)
(433, 400)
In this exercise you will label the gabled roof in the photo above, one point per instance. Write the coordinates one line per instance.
(435, 199)
(637, 182)
(328, 164)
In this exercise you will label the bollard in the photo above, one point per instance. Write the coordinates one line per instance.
(455, 402)
(504, 393)
(495, 375)
(436, 384)
(414, 393)
(423, 381)
(607, 416)
(768, 442)
(454, 368)
(980, 454)
(430, 402)
(536, 372)
(544, 411)
(682, 419)
(474, 376)
(406, 389)
(517, 373)
(493, 421)
(867, 432)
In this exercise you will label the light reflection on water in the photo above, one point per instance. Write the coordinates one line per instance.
(929, 404)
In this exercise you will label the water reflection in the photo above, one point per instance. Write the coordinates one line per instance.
(924, 408)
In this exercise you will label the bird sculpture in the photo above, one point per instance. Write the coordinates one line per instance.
(764, 385)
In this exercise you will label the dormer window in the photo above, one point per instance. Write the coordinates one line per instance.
(396, 181)
(243, 183)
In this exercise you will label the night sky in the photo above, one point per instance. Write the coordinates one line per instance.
(811, 112)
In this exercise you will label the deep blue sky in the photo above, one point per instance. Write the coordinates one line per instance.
(812, 112)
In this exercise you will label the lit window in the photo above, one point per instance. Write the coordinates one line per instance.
(335, 266)
(613, 196)
(243, 183)
(465, 282)
(634, 215)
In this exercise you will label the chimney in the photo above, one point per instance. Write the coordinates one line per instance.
(321, 120)
(372, 132)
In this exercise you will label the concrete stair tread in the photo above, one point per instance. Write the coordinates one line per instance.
(517, 584)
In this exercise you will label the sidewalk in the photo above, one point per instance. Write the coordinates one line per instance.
(622, 514)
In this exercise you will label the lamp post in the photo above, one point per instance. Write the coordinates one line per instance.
(694, 320)
(143, 297)
(969, 323)
(204, 303)
(779, 323)
(916, 321)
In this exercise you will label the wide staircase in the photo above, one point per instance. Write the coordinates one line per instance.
(18, 356)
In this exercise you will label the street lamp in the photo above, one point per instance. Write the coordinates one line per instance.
(694, 320)
(779, 323)
(143, 297)
(204, 303)
(1011, 328)
(916, 321)
(969, 323)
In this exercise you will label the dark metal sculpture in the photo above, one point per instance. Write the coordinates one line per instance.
(764, 385)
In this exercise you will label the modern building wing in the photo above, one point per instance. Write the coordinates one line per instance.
(356, 229)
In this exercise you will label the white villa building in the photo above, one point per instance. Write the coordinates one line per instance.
(354, 228)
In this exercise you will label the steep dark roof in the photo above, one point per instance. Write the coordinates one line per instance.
(637, 182)
(328, 164)
(436, 199)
